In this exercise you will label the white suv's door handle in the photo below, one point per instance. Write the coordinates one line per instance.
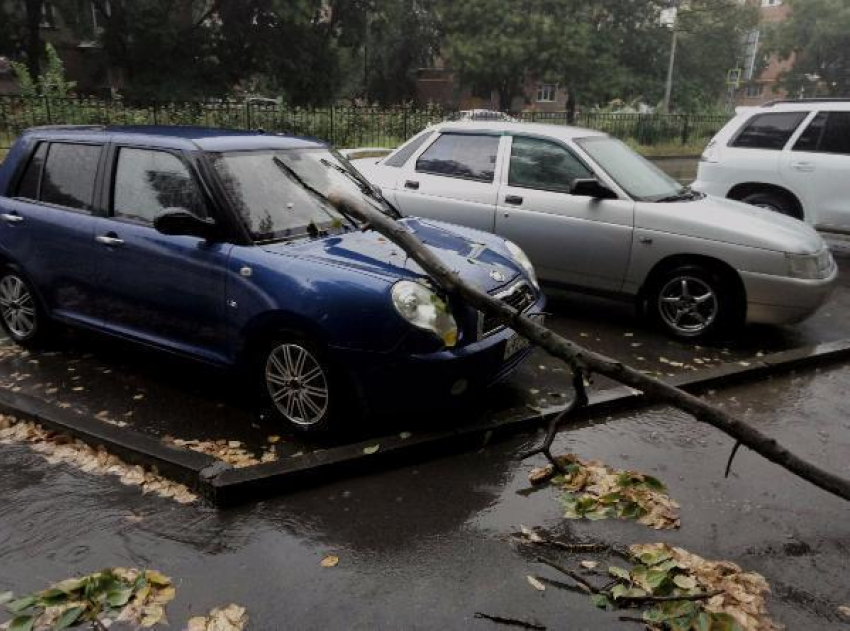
(805, 167)
(11, 218)
(107, 240)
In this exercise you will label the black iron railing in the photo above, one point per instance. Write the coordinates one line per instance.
(341, 126)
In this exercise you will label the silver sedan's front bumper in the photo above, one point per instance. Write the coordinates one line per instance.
(783, 300)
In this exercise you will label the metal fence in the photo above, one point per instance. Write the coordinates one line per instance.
(342, 126)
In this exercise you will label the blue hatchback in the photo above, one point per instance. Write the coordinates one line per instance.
(220, 245)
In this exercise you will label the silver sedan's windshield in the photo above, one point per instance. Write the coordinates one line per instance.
(637, 176)
(280, 194)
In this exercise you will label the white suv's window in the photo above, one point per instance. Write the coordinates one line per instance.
(829, 132)
(768, 131)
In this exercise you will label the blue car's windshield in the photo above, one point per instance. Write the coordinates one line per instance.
(278, 194)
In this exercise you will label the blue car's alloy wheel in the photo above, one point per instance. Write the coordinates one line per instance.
(298, 385)
(18, 308)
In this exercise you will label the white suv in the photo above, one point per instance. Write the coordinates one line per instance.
(792, 157)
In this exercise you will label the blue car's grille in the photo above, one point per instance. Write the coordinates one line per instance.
(519, 296)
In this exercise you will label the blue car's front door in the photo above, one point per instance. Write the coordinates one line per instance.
(47, 227)
(164, 289)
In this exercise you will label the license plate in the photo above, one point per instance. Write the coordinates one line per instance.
(518, 343)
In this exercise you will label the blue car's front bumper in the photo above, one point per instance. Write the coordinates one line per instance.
(384, 380)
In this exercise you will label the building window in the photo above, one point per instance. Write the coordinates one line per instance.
(751, 48)
(546, 92)
(771, 3)
(755, 90)
(48, 17)
(97, 15)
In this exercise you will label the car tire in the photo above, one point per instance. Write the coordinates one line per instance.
(298, 384)
(695, 301)
(772, 201)
(23, 318)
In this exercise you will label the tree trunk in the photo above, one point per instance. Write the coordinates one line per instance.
(582, 359)
(571, 106)
(34, 46)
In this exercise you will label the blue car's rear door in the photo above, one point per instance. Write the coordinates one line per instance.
(47, 226)
(164, 289)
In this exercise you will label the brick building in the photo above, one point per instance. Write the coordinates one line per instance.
(759, 82)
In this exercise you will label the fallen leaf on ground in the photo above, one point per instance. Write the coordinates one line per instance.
(536, 584)
(371, 449)
(743, 593)
(595, 491)
(230, 618)
(112, 595)
(61, 448)
(330, 561)
(589, 565)
(230, 451)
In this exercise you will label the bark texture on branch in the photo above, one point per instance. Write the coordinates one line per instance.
(583, 360)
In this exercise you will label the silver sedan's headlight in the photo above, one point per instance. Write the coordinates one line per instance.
(424, 309)
(522, 258)
(810, 266)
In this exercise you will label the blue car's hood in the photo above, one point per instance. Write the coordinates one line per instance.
(370, 252)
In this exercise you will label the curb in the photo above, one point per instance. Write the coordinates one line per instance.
(224, 485)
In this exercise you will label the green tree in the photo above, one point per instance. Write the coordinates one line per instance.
(711, 41)
(817, 37)
(401, 36)
(492, 45)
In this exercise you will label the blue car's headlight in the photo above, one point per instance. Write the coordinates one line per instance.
(424, 309)
(522, 259)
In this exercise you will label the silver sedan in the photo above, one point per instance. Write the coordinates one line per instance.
(594, 216)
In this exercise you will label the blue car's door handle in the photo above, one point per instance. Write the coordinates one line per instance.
(11, 218)
(110, 240)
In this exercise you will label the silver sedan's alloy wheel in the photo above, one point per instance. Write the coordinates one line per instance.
(297, 384)
(17, 307)
(688, 305)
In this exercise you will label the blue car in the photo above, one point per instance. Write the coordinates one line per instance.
(221, 245)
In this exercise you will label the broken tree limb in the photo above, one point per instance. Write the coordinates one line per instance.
(578, 402)
(512, 622)
(579, 358)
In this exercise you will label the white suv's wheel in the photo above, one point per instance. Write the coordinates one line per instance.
(772, 201)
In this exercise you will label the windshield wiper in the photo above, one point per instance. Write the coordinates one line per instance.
(365, 187)
(684, 194)
(280, 164)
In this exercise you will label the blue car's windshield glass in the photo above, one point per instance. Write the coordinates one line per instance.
(637, 176)
(271, 190)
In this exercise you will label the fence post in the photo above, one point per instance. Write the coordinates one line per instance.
(404, 124)
(248, 114)
(332, 139)
(685, 130)
(155, 113)
(47, 110)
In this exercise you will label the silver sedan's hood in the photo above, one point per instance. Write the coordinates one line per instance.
(729, 221)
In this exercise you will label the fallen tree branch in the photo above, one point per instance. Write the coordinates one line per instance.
(580, 359)
(665, 599)
(578, 402)
(513, 622)
(587, 586)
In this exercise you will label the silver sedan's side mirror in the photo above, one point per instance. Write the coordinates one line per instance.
(591, 187)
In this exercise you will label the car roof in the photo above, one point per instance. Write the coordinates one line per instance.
(177, 137)
(804, 105)
(562, 132)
